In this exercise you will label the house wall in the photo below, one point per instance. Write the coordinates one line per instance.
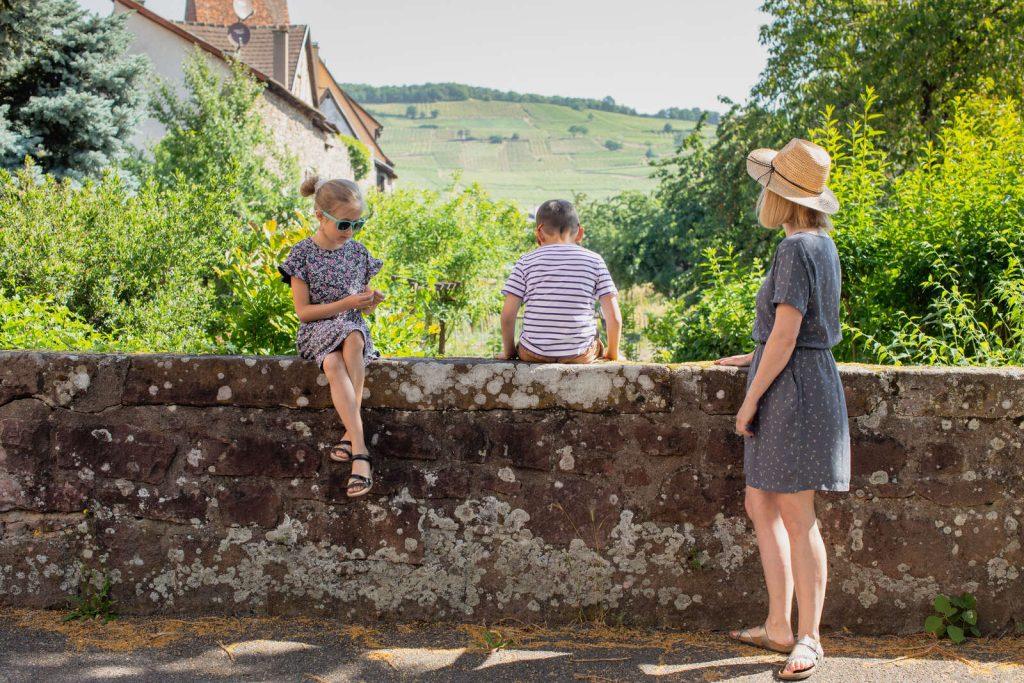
(503, 491)
(315, 149)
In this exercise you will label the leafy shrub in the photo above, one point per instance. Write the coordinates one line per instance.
(29, 323)
(445, 258)
(217, 139)
(955, 617)
(612, 145)
(931, 256)
(358, 156)
(131, 264)
(259, 317)
(717, 318)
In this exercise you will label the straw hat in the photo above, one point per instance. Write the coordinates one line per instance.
(798, 172)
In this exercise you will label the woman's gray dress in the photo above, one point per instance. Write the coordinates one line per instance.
(801, 435)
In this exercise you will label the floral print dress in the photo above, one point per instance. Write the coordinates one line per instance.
(331, 275)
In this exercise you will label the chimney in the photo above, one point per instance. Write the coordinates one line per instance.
(313, 69)
(281, 56)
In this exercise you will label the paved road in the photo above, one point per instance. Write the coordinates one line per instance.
(36, 646)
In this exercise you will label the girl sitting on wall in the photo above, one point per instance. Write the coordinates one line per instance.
(329, 274)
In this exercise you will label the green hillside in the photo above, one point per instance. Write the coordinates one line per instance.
(545, 161)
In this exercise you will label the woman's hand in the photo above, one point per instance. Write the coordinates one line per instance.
(745, 418)
(741, 361)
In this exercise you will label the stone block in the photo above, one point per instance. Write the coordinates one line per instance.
(967, 392)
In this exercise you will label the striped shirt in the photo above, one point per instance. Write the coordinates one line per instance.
(559, 284)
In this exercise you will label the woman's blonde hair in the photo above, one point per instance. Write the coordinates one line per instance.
(328, 194)
(774, 211)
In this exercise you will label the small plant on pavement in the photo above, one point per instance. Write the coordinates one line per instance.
(93, 600)
(955, 617)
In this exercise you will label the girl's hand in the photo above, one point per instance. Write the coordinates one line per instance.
(610, 355)
(503, 356)
(740, 361)
(745, 418)
(358, 302)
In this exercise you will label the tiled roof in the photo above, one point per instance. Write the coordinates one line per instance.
(363, 125)
(259, 52)
(265, 12)
(310, 112)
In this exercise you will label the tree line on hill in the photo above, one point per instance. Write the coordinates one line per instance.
(458, 92)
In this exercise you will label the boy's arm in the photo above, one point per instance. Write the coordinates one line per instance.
(508, 326)
(613, 321)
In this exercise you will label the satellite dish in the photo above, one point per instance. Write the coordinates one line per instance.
(243, 9)
(239, 34)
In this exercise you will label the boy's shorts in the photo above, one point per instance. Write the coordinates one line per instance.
(595, 352)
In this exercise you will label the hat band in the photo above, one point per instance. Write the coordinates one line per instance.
(774, 171)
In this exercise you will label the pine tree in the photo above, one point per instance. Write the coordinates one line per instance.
(70, 96)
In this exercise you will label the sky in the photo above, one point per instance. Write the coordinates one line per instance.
(648, 54)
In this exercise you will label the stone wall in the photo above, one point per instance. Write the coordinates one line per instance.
(545, 493)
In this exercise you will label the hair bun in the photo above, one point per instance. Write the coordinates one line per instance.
(309, 185)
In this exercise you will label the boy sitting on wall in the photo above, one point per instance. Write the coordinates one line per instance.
(559, 282)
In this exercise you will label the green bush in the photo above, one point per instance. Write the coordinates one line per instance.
(445, 259)
(358, 156)
(132, 264)
(717, 318)
(931, 256)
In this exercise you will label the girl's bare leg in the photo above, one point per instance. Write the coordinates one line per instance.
(773, 544)
(352, 355)
(810, 564)
(344, 398)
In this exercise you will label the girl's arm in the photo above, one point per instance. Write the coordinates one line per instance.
(508, 326)
(613, 323)
(777, 352)
(308, 312)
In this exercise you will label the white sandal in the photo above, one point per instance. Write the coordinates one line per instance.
(805, 648)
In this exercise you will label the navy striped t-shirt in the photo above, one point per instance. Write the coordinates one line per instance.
(559, 284)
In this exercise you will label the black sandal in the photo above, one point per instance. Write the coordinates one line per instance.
(364, 484)
(345, 446)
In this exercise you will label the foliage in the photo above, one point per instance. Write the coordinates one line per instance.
(447, 254)
(637, 245)
(932, 256)
(216, 138)
(93, 600)
(612, 145)
(358, 156)
(259, 316)
(691, 114)
(132, 265)
(917, 55)
(30, 323)
(457, 92)
(73, 116)
(716, 318)
(954, 617)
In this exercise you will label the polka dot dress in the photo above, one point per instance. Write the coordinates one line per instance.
(801, 434)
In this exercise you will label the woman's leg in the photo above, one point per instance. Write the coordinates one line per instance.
(773, 544)
(810, 563)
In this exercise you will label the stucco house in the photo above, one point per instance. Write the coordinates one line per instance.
(280, 55)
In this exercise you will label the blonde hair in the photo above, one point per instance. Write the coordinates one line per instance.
(774, 211)
(330, 194)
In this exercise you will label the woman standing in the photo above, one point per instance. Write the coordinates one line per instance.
(794, 417)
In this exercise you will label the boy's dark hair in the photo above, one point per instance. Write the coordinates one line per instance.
(558, 216)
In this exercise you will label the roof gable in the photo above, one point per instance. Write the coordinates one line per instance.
(259, 52)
